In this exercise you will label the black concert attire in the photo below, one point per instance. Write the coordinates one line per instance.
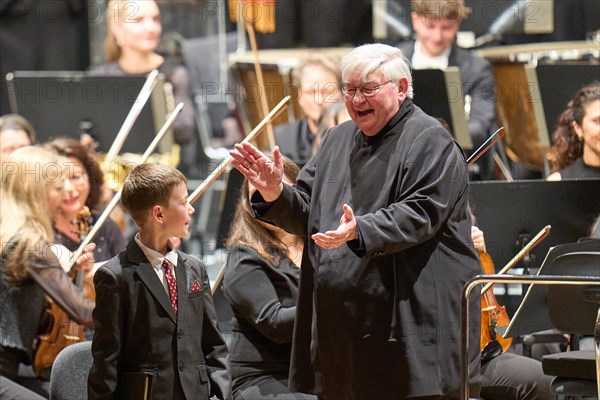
(378, 318)
(295, 141)
(579, 170)
(263, 298)
(109, 240)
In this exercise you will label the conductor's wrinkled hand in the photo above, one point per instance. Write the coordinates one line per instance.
(346, 231)
(264, 174)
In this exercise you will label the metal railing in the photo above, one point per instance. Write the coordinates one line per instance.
(464, 314)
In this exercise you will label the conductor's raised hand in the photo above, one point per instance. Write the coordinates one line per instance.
(264, 174)
(346, 231)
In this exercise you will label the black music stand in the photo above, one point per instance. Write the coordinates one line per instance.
(511, 213)
(533, 315)
(439, 93)
(229, 201)
(69, 103)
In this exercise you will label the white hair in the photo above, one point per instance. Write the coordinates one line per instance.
(369, 58)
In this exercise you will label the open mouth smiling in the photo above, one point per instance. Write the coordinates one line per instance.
(364, 112)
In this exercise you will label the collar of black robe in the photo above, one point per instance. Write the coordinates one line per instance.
(406, 109)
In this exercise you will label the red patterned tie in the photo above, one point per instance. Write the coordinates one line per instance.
(171, 284)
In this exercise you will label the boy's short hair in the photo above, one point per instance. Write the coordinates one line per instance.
(146, 186)
(441, 9)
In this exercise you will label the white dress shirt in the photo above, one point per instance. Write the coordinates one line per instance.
(156, 259)
(421, 60)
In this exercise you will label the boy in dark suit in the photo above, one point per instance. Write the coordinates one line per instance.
(155, 322)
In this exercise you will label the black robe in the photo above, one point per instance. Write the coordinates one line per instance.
(382, 322)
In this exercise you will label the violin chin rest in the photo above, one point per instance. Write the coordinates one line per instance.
(491, 350)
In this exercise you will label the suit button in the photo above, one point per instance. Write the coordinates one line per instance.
(179, 333)
(181, 367)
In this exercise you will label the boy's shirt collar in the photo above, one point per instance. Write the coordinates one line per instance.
(154, 257)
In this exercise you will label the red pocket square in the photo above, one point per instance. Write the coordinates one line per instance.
(195, 286)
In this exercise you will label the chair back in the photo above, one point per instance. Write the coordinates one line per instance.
(574, 308)
(68, 379)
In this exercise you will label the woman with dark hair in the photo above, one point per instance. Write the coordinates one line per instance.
(261, 284)
(576, 149)
(81, 198)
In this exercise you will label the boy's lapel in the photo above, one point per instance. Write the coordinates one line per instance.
(148, 276)
(150, 279)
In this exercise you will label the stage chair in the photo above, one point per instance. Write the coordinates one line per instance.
(575, 310)
(68, 379)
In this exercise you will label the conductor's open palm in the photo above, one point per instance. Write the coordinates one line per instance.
(264, 174)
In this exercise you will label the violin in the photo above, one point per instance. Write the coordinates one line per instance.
(62, 331)
(493, 316)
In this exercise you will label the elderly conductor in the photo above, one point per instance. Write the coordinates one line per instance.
(383, 204)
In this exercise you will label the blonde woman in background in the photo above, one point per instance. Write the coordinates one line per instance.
(31, 193)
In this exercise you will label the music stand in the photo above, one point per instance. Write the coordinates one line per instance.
(68, 103)
(567, 259)
(439, 93)
(513, 212)
(229, 201)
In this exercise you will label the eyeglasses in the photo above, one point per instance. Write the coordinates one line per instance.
(367, 90)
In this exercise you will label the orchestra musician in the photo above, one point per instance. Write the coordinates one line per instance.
(384, 207)
(133, 35)
(32, 191)
(576, 149)
(261, 285)
(332, 115)
(318, 82)
(510, 375)
(85, 190)
(436, 23)
(15, 132)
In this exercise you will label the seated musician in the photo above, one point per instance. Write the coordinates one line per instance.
(261, 284)
(31, 193)
(436, 23)
(133, 35)
(15, 132)
(318, 83)
(509, 375)
(576, 149)
(86, 177)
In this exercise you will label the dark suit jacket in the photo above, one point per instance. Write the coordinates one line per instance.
(137, 330)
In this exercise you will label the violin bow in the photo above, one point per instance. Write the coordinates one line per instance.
(115, 200)
(528, 247)
(499, 134)
(134, 112)
(251, 136)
